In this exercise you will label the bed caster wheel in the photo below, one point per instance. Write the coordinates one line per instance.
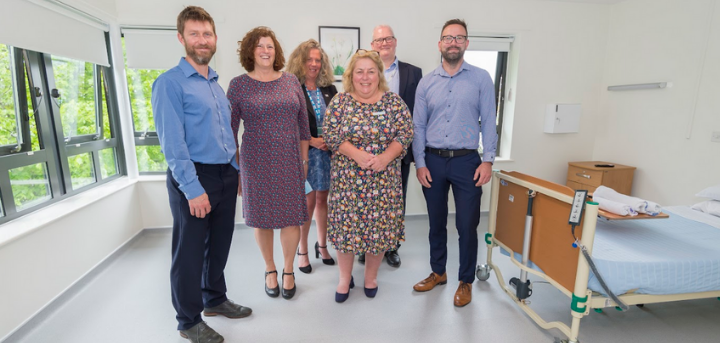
(482, 272)
(598, 310)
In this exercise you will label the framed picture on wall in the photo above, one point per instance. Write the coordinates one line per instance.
(340, 43)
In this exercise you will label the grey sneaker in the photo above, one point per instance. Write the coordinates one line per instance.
(228, 309)
(202, 333)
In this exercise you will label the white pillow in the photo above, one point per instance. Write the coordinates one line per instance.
(709, 207)
(710, 192)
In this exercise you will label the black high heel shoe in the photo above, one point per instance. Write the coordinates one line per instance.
(328, 261)
(307, 269)
(271, 292)
(370, 292)
(288, 293)
(341, 297)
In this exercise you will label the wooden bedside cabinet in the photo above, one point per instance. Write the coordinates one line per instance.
(585, 175)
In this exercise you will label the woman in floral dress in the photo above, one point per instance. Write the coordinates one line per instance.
(274, 152)
(368, 130)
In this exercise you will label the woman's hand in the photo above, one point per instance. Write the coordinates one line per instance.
(318, 143)
(362, 158)
(379, 162)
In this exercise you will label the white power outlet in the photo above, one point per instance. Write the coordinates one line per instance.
(715, 137)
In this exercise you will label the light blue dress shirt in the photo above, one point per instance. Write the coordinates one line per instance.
(448, 110)
(192, 118)
(392, 76)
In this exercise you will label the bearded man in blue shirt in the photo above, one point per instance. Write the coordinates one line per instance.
(192, 117)
(453, 105)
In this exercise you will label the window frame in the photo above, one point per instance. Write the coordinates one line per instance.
(54, 149)
(22, 117)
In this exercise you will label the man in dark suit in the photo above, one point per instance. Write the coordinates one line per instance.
(403, 79)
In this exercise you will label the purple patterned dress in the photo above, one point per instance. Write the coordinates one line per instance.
(274, 115)
(366, 207)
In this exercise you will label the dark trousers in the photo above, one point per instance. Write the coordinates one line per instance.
(405, 169)
(200, 247)
(457, 172)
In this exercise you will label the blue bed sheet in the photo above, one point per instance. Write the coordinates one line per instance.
(655, 256)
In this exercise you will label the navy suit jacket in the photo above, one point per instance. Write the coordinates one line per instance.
(410, 76)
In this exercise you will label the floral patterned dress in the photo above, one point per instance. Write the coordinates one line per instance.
(275, 120)
(366, 207)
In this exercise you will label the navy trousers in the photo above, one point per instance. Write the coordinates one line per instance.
(405, 169)
(457, 172)
(200, 247)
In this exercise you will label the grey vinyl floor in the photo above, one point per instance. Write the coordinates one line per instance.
(129, 301)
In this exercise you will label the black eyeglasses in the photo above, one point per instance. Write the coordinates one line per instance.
(367, 52)
(388, 39)
(449, 39)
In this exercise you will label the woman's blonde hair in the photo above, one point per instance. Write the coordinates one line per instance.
(373, 56)
(300, 55)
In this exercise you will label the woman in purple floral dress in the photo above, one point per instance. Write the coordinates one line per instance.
(274, 151)
(368, 129)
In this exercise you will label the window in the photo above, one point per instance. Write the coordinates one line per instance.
(147, 145)
(491, 54)
(149, 52)
(58, 129)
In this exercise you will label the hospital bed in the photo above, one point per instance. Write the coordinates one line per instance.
(642, 261)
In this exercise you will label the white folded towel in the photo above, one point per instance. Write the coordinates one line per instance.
(653, 209)
(637, 204)
(614, 207)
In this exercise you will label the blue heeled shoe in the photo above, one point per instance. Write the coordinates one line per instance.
(341, 297)
(370, 292)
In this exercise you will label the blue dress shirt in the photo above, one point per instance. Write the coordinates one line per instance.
(392, 76)
(192, 117)
(448, 110)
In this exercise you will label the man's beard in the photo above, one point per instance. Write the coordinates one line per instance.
(201, 60)
(452, 57)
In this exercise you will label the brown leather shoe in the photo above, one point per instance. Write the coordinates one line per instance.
(463, 295)
(430, 282)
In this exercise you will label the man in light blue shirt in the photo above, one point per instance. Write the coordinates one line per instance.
(192, 117)
(451, 104)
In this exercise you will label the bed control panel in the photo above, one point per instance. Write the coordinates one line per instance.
(576, 211)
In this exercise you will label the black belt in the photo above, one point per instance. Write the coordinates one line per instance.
(450, 153)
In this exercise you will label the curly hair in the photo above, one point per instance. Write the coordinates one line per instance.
(296, 63)
(347, 79)
(193, 13)
(246, 51)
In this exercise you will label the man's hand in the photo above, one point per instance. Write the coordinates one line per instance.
(483, 174)
(200, 206)
(423, 175)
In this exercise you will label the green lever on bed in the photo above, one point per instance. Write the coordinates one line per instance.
(575, 301)
(488, 236)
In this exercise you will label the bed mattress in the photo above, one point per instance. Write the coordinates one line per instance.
(680, 254)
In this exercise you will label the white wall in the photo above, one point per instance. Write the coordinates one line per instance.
(560, 50)
(653, 41)
(37, 267)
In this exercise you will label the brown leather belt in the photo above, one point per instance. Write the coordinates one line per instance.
(450, 153)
